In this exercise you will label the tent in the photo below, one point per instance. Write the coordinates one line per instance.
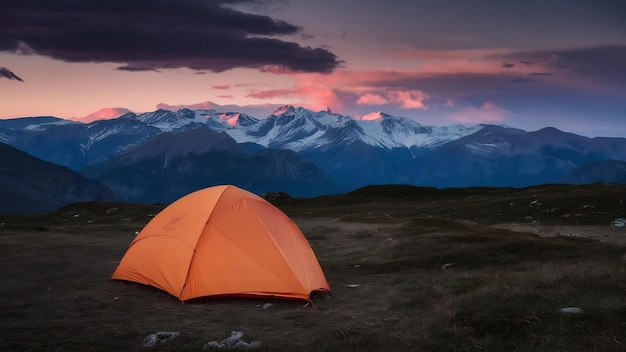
(223, 240)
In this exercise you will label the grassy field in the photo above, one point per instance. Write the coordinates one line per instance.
(411, 269)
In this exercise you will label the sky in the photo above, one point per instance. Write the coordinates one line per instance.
(526, 64)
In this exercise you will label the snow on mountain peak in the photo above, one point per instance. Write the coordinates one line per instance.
(231, 118)
(284, 109)
(379, 115)
(301, 129)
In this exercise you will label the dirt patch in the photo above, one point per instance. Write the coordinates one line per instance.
(609, 234)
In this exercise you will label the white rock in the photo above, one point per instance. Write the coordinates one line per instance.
(233, 342)
(571, 310)
(621, 222)
(161, 336)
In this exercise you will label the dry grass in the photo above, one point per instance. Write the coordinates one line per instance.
(410, 269)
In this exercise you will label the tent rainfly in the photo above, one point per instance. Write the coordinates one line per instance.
(220, 241)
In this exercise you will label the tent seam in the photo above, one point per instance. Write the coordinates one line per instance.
(282, 253)
(193, 255)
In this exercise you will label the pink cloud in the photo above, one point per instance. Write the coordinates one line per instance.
(472, 61)
(487, 113)
(320, 98)
(221, 86)
(206, 105)
(271, 93)
(440, 75)
(489, 106)
(408, 99)
(312, 96)
(371, 99)
(226, 96)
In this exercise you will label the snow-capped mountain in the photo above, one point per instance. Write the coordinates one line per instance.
(76, 144)
(168, 121)
(306, 152)
(301, 129)
(10, 127)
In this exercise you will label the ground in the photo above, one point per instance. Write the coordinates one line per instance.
(411, 269)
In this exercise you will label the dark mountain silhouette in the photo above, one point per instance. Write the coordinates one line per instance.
(609, 171)
(32, 186)
(499, 156)
(176, 163)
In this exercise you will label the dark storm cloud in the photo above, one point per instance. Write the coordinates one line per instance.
(507, 65)
(6, 73)
(602, 62)
(156, 34)
(598, 60)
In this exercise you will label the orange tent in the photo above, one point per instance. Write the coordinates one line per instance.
(223, 241)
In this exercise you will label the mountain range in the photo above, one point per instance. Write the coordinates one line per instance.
(159, 156)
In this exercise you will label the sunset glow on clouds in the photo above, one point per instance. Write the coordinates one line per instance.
(528, 65)
(371, 99)
(406, 99)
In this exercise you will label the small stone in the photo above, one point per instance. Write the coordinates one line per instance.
(159, 337)
(571, 310)
(212, 344)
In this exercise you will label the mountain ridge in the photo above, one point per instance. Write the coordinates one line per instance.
(304, 152)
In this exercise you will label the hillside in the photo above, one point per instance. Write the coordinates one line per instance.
(32, 186)
(410, 268)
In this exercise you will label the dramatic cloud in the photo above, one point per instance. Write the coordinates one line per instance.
(157, 34)
(272, 93)
(604, 62)
(371, 99)
(451, 83)
(408, 99)
(312, 96)
(6, 73)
